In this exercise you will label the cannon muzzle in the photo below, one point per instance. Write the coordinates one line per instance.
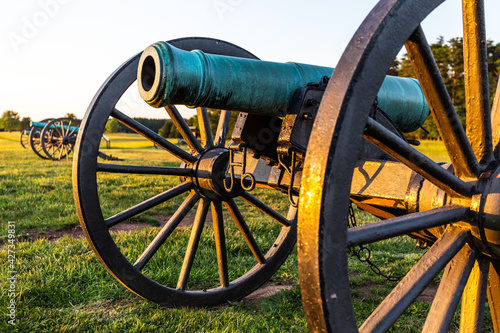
(168, 75)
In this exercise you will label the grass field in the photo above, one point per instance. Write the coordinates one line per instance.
(61, 286)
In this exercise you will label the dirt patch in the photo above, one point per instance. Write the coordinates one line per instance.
(129, 227)
(428, 294)
(265, 292)
(77, 232)
(51, 235)
(187, 221)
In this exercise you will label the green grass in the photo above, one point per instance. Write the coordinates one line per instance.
(61, 286)
(435, 150)
(33, 192)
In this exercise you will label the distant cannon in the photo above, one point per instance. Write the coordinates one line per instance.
(55, 139)
(24, 138)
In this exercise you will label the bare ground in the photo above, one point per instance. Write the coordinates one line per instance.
(77, 232)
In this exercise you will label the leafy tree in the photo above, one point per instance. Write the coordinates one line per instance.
(9, 121)
(70, 116)
(166, 128)
(193, 121)
(25, 123)
(174, 133)
(112, 126)
(394, 69)
(493, 67)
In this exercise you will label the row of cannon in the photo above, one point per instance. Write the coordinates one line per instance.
(52, 139)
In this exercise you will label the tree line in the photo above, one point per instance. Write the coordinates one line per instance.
(448, 56)
(11, 121)
(170, 131)
(114, 126)
(167, 129)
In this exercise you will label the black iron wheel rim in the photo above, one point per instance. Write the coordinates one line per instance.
(35, 140)
(25, 138)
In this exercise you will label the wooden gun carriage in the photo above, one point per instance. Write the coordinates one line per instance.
(324, 139)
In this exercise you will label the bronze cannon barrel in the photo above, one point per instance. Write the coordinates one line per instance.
(168, 75)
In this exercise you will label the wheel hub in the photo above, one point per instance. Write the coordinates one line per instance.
(210, 173)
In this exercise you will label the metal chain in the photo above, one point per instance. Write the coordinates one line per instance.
(364, 254)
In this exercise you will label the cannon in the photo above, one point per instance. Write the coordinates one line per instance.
(31, 137)
(262, 161)
(24, 137)
(323, 139)
(54, 139)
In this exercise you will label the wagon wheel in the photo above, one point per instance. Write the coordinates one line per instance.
(189, 262)
(466, 243)
(59, 138)
(25, 137)
(36, 139)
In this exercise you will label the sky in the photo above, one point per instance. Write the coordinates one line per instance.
(55, 54)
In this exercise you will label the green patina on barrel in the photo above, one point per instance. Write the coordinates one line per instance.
(168, 75)
(404, 101)
(42, 125)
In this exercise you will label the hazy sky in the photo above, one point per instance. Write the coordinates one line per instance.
(57, 53)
